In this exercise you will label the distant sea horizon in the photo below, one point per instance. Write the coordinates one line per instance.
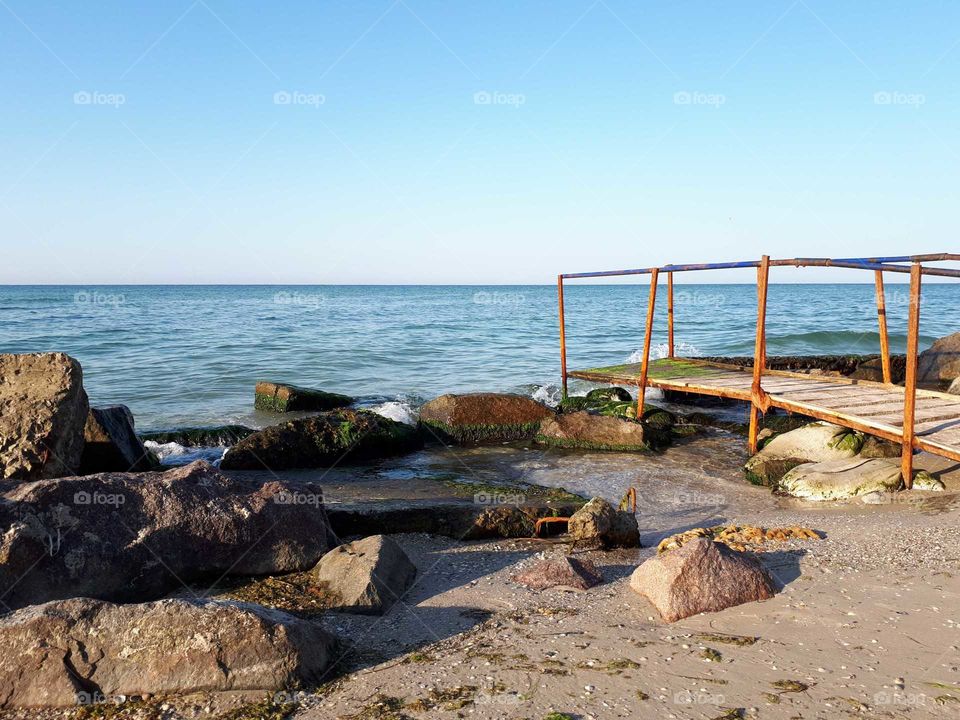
(182, 355)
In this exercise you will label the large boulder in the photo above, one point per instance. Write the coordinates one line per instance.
(700, 576)
(939, 364)
(839, 479)
(111, 443)
(43, 410)
(588, 431)
(281, 398)
(816, 442)
(954, 388)
(71, 652)
(366, 576)
(136, 536)
(599, 525)
(324, 440)
(483, 417)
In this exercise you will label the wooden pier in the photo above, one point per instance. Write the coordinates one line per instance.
(917, 419)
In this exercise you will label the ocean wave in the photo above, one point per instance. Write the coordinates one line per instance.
(549, 395)
(398, 410)
(662, 350)
(174, 454)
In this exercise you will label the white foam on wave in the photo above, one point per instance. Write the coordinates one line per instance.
(175, 454)
(662, 350)
(396, 410)
(548, 394)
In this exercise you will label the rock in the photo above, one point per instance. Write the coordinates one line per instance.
(483, 417)
(740, 537)
(871, 370)
(43, 410)
(324, 440)
(559, 571)
(609, 394)
(954, 388)
(70, 652)
(922, 480)
(366, 576)
(816, 442)
(135, 536)
(281, 398)
(599, 525)
(874, 447)
(839, 479)
(939, 365)
(216, 436)
(700, 576)
(111, 443)
(586, 431)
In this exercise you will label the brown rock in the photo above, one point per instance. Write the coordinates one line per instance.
(588, 431)
(563, 571)
(111, 443)
(135, 536)
(43, 409)
(939, 364)
(367, 576)
(599, 525)
(700, 576)
(281, 398)
(71, 652)
(483, 417)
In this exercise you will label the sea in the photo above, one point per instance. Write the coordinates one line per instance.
(191, 355)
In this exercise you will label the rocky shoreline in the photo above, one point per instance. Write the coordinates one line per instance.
(130, 589)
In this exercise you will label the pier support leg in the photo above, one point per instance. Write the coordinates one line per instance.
(644, 368)
(759, 354)
(910, 385)
(882, 322)
(563, 338)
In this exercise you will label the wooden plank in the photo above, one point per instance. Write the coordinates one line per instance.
(922, 417)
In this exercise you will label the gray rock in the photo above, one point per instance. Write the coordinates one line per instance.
(922, 480)
(700, 576)
(816, 442)
(111, 443)
(840, 479)
(588, 431)
(71, 652)
(954, 388)
(939, 365)
(366, 576)
(599, 525)
(136, 536)
(43, 410)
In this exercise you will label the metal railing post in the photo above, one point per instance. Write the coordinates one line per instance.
(563, 338)
(670, 346)
(644, 368)
(882, 320)
(757, 398)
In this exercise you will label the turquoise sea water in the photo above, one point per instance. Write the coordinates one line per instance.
(191, 355)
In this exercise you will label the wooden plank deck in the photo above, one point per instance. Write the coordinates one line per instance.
(871, 407)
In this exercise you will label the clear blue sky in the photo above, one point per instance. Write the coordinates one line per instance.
(420, 141)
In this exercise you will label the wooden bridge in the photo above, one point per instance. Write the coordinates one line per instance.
(915, 418)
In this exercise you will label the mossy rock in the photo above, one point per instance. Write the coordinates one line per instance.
(609, 394)
(478, 418)
(591, 431)
(216, 436)
(338, 436)
(281, 398)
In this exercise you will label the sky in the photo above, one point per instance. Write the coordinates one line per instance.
(421, 141)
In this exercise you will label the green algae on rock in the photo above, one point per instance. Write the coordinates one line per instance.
(281, 398)
(322, 441)
(477, 418)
